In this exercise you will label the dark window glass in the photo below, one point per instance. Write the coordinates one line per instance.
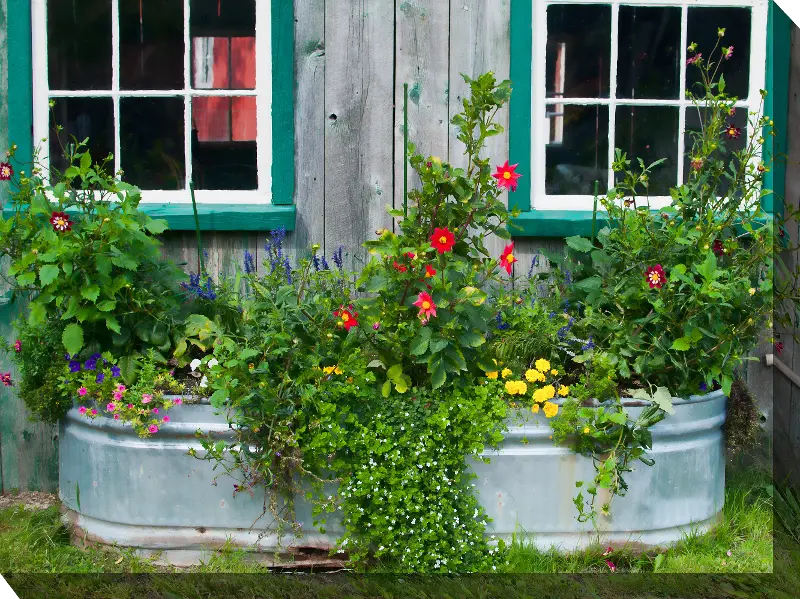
(152, 150)
(581, 157)
(578, 51)
(224, 143)
(151, 44)
(703, 24)
(223, 44)
(695, 121)
(650, 133)
(79, 44)
(80, 118)
(649, 52)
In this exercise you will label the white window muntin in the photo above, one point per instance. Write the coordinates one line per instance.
(262, 92)
(540, 125)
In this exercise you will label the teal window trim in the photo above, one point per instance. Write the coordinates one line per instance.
(564, 223)
(213, 217)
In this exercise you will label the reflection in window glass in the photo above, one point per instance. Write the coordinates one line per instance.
(578, 51)
(649, 52)
(79, 44)
(151, 44)
(650, 133)
(695, 120)
(81, 118)
(581, 158)
(703, 24)
(223, 44)
(224, 143)
(152, 150)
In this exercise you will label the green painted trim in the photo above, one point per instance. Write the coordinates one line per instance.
(519, 133)
(219, 217)
(282, 102)
(20, 82)
(776, 104)
(555, 223)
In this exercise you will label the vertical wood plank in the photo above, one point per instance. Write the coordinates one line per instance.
(479, 42)
(309, 71)
(359, 92)
(422, 61)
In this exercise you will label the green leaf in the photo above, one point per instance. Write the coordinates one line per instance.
(218, 398)
(106, 305)
(419, 345)
(681, 344)
(721, 84)
(663, 399)
(386, 389)
(37, 315)
(129, 366)
(708, 269)
(471, 338)
(156, 226)
(248, 352)
(112, 324)
(580, 244)
(103, 264)
(47, 274)
(86, 162)
(394, 372)
(91, 293)
(438, 344)
(72, 338)
(438, 375)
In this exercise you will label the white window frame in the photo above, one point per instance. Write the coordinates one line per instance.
(540, 124)
(262, 92)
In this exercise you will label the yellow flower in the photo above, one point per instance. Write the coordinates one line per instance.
(586, 430)
(550, 409)
(516, 387)
(542, 365)
(337, 370)
(534, 376)
(752, 291)
(329, 369)
(554, 372)
(549, 391)
(506, 373)
(492, 375)
(535, 408)
(563, 390)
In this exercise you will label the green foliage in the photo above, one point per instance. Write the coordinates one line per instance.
(85, 255)
(695, 325)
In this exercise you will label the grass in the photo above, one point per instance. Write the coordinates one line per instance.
(36, 542)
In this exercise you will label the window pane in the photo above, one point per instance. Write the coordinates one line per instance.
(703, 24)
(151, 44)
(578, 51)
(581, 158)
(650, 133)
(694, 128)
(223, 44)
(81, 118)
(79, 44)
(152, 151)
(649, 52)
(224, 143)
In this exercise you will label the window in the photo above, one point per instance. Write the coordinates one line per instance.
(178, 91)
(613, 74)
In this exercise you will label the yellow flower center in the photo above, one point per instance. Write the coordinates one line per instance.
(426, 305)
(443, 239)
(510, 258)
(506, 175)
(655, 277)
(345, 317)
(60, 222)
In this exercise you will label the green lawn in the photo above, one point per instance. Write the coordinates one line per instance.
(36, 542)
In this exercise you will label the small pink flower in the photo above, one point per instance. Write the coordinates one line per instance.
(611, 566)
(376, 326)
(730, 553)
(178, 401)
(117, 395)
(18, 346)
(82, 391)
(155, 410)
(152, 428)
(130, 406)
(165, 419)
(116, 416)
(94, 412)
(727, 53)
(146, 398)
(121, 388)
(609, 550)
(82, 410)
(111, 407)
(696, 58)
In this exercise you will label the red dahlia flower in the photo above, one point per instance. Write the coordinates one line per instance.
(347, 317)
(718, 248)
(733, 132)
(399, 267)
(443, 240)
(6, 171)
(426, 306)
(655, 276)
(61, 222)
(430, 271)
(506, 177)
(5, 378)
(507, 258)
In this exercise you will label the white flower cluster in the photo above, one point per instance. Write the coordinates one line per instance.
(196, 363)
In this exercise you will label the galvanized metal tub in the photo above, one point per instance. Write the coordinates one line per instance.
(148, 494)
(528, 486)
